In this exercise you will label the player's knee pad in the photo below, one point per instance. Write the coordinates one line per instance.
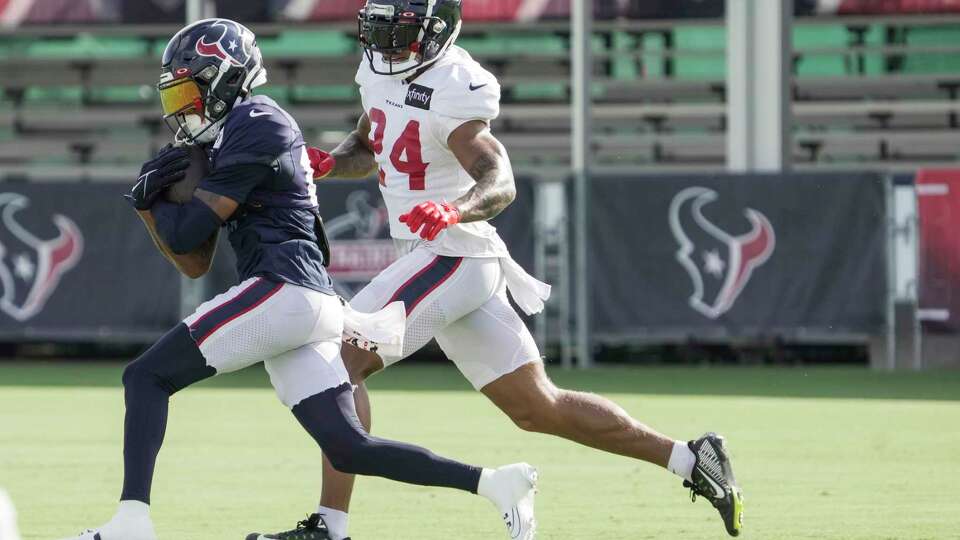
(331, 419)
(350, 452)
(171, 364)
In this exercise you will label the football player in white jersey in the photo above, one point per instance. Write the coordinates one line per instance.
(425, 131)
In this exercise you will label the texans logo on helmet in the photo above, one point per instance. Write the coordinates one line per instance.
(719, 264)
(229, 45)
(30, 267)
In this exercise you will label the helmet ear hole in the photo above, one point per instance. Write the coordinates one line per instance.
(218, 108)
(208, 73)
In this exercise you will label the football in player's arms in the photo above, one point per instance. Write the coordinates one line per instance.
(182, 191)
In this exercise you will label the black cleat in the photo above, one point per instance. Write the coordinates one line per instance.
(312, 528)
(713, 480)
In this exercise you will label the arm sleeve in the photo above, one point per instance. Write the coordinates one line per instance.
(185, 227)
(236, 181)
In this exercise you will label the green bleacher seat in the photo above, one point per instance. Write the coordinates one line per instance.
(326, 93)
(70, 95)
(820, 64)
(539, 92)
(809, 37)
(87, 46)
(933, 62)
(875, 63)
(816, 65)
(507, 44)
(475, 45)
(652, 44)
(624, 66)
(309, 43)
(11, 46)
(125, 94)
(280, 94)
(704, 38)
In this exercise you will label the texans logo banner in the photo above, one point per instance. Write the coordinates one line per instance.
(720, 257)
(76, 265)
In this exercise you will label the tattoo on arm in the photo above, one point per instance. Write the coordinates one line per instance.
(355, 157)
(490, 168)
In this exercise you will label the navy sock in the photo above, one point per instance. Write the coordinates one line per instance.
(171, 364)
(331, 418)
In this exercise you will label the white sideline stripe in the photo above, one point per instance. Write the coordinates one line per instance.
(933, 314)
(924, 190)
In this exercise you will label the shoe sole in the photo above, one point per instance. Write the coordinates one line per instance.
(737, 523)
(533, 476)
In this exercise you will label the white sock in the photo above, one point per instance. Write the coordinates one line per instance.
(133, 510)
(506, 485)
(336, 521)
(486, 487)
(682, 460)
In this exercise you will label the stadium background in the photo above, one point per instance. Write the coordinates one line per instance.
(663, 247)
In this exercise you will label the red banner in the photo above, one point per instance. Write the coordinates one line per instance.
(938, 206)
(870, 7)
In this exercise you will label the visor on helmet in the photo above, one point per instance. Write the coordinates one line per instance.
(183, 112)
(385, 37)
(180, 96)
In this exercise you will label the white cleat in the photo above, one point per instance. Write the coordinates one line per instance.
(120, 529)
(8, 518)
(513, 490)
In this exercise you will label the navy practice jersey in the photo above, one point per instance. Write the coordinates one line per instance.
(260, 161)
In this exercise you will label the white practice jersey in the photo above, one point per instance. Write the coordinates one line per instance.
(410, 124)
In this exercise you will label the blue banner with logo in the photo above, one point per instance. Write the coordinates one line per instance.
(718, 257)
(77, 265)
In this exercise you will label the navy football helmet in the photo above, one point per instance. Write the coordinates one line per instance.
(208, 67)
(400, 37)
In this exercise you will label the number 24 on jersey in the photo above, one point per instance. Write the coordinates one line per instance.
(406, 155)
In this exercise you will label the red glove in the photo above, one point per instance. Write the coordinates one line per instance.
(321, 162)
(432, 216)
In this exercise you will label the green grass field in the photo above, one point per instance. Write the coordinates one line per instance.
(821, 453)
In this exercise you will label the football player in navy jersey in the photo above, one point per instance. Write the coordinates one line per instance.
(284, 312)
